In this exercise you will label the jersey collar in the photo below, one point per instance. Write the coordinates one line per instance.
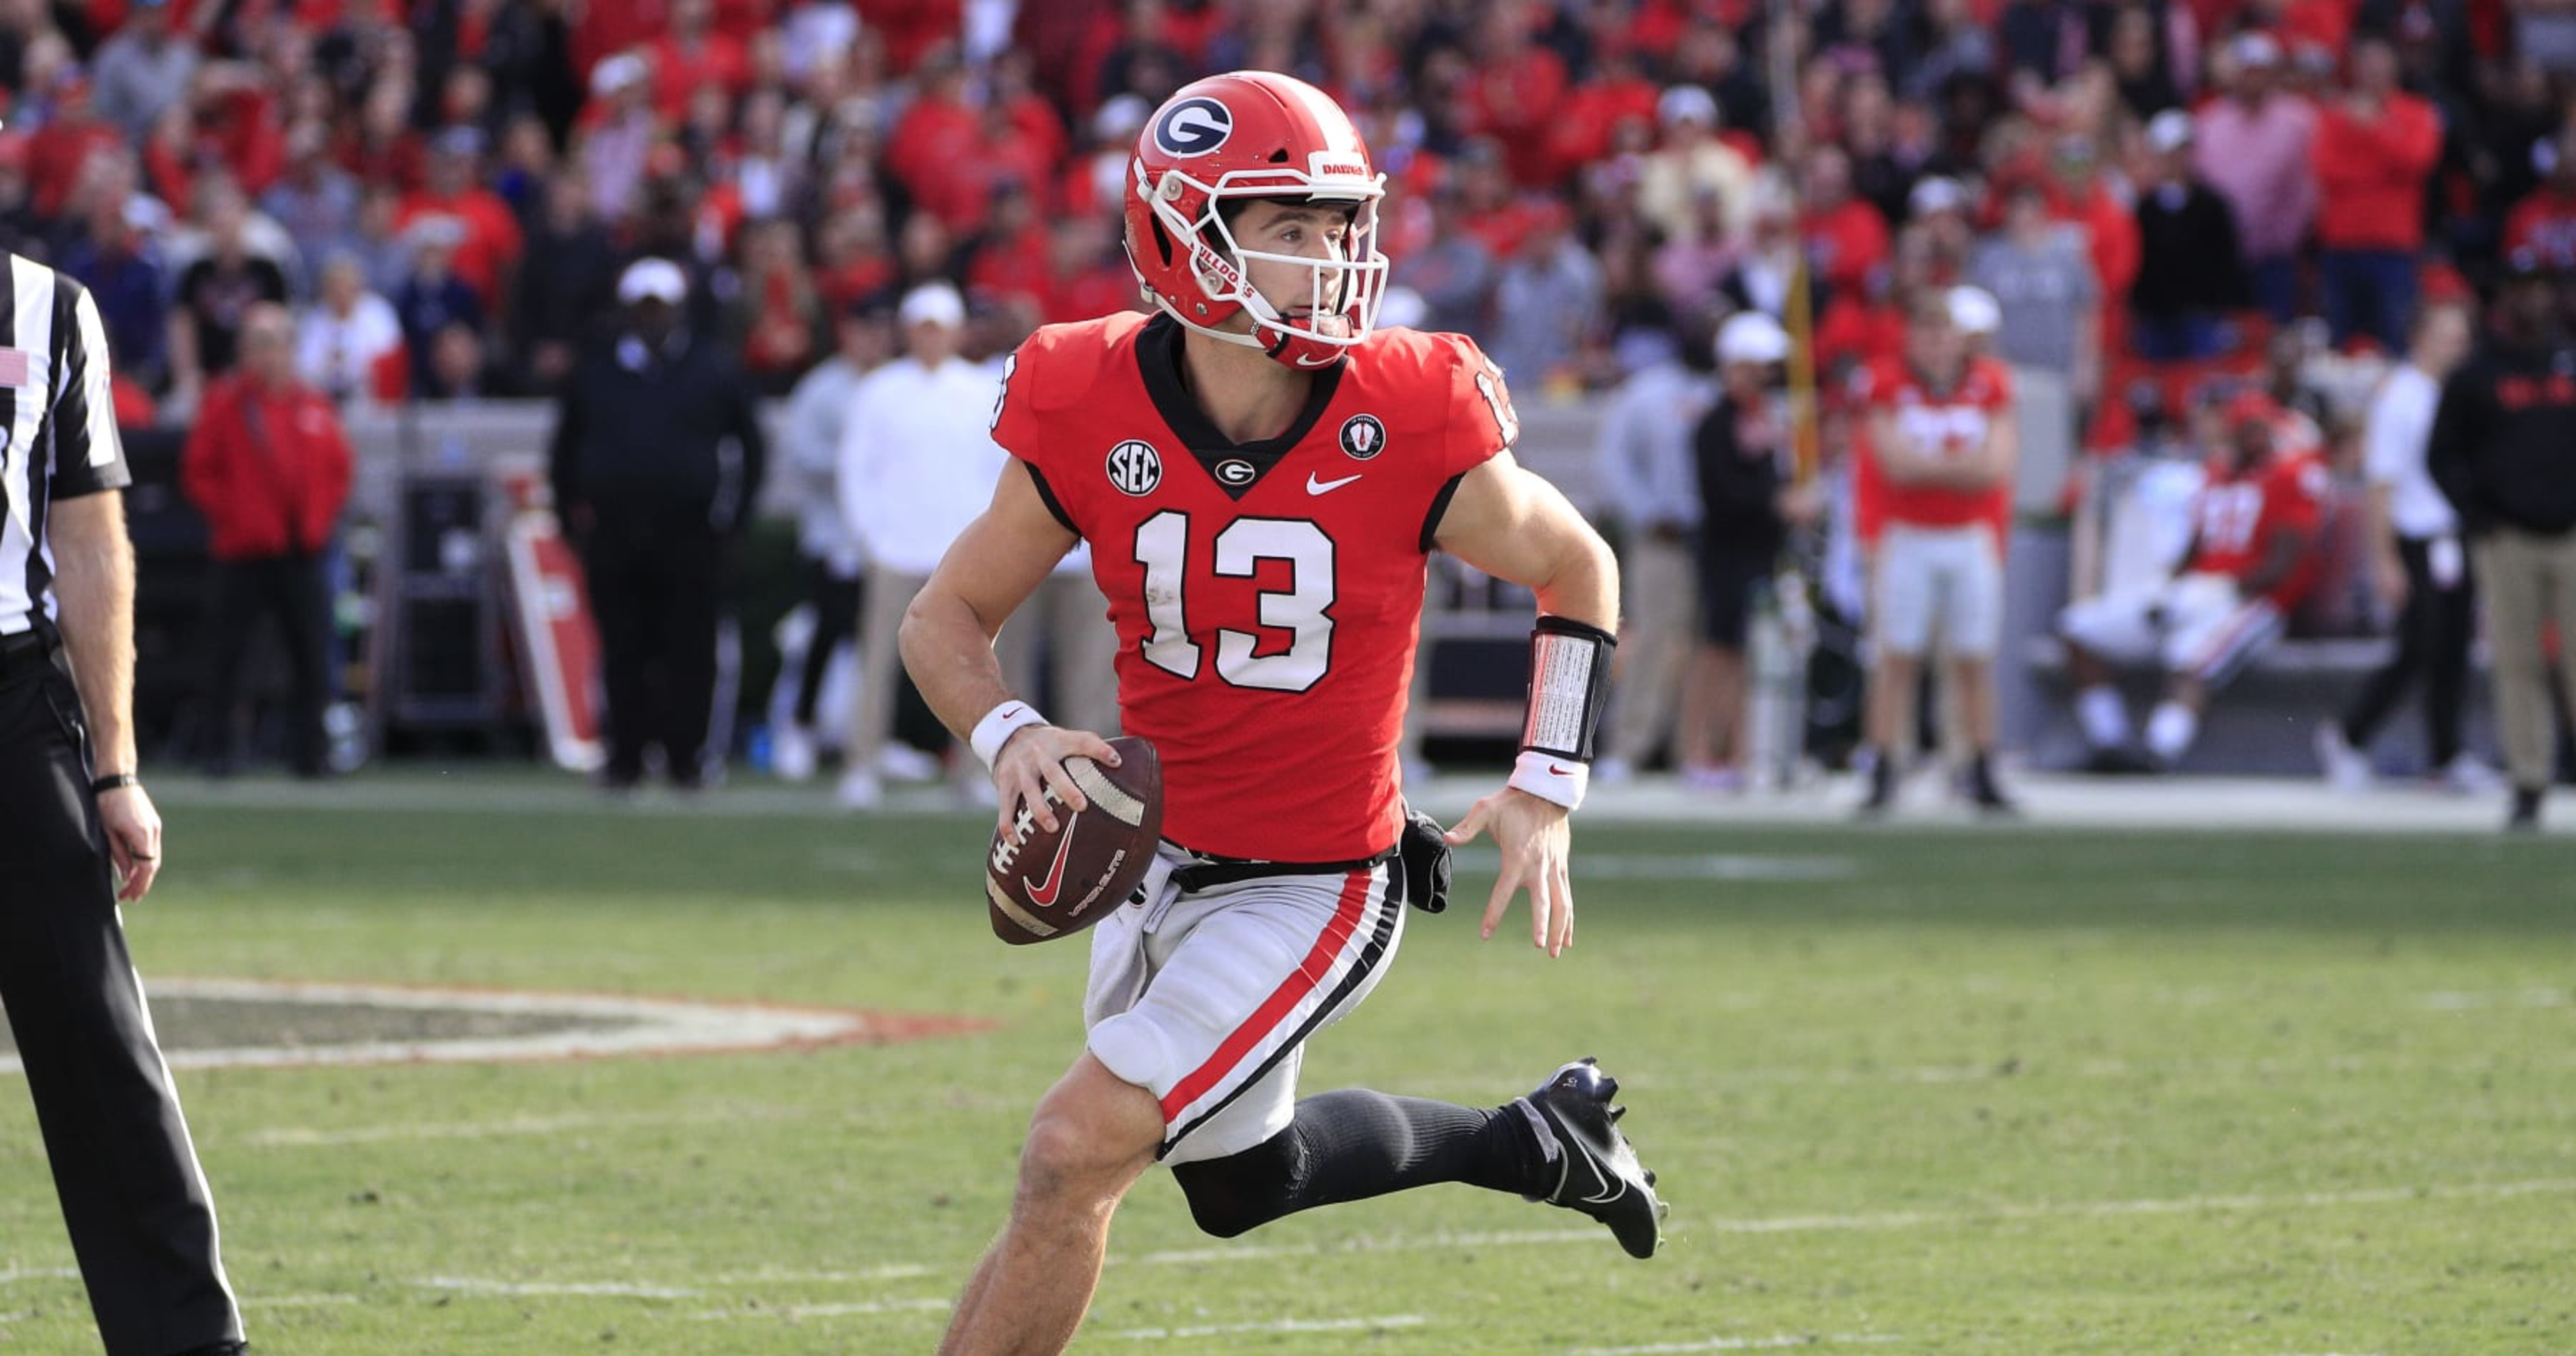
(1158, 361)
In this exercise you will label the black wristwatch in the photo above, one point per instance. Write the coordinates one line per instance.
(113, 781)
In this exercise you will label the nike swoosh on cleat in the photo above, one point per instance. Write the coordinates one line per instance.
(1314, 486)
(1044, 893)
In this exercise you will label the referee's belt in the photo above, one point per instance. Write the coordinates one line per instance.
(25, 649)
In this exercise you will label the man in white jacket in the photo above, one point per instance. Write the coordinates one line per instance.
(811, 435)
(917, 464)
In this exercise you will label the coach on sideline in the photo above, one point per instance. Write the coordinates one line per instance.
(78, 834)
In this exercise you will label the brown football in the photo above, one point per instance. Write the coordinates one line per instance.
(1041, 886)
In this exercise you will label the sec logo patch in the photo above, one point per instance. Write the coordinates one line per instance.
(1135, 467)
(1363, 437)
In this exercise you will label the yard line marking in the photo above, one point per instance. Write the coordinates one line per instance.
(15, 1275)
(1281, 1325)
(1742, 1344)
(470, 1285)
(897, 1271)
(796, 1311)
(306, 1137)
(2450, 1001)
(296, 1301)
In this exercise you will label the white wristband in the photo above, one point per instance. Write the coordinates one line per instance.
(1551, 777)
(997, 727)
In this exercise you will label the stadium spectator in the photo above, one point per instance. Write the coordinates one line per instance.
(489, 242)
(144, 68)
(2256, 148)
(656, 458)
(569, 272)
(1642, 460)
(2499, 452)
(779, 311)
(2375, 150)
(349, 345)
(1739, 460)
(2191, 270)
(2543, 224)
(1454, 272)
(917, 463)
(1934, 485)
(2037, 272)
(117, 258)
(2252, 558)
(620, 133)
(215, 294)
(461, 368)
(2418, 566)
(1847, 239)
(1691, 166)
(1547, 302)
(315, 200)
(268, 466)
(811, 431)
(432, 295)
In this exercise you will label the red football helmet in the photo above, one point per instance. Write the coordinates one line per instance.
(1254, 134)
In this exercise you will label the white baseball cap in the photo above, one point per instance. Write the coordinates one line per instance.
(1973, 310)
(933, 304)
(1936, 194)
(652, 279)
(1751, 337)
(2256, 48)
(1686, 103)
(2169, 130)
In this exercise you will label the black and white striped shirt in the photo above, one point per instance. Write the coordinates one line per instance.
(57, 425)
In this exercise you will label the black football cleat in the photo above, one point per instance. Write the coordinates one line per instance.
(1597, 1172)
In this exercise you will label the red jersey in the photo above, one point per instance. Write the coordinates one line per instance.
(1952, 422)
(1267, 595)
(2238, 515)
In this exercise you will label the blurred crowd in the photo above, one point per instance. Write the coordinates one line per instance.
(445, 189)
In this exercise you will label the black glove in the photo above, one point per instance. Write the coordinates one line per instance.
(1422, 851)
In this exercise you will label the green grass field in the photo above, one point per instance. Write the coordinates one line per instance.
(1959, 1092)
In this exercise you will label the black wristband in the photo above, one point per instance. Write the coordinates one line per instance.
(112, 782)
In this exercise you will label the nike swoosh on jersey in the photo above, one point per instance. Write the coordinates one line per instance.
(1043, 893)
(1314, 486)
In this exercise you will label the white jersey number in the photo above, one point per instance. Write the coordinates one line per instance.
(1162, 547)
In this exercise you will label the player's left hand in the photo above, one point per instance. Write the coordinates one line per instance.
(1536, 843)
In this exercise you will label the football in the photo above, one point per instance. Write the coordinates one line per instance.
(1041, 886)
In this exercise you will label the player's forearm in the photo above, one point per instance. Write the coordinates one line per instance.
(948, 650)
(94, 581)
(1583, 585)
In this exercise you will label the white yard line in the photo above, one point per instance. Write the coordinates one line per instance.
(800, 1311)
(307, 1137)
(472, 1285)
(16, 1274)
(1773, 1342)
(1280, 1325)
(297, 1301)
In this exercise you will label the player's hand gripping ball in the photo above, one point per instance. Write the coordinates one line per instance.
(1041, 885)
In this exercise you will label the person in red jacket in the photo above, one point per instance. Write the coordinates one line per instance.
(2543, 224)
(269, 467)
(2374, 151)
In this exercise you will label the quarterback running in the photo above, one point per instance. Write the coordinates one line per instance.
(1262, 476)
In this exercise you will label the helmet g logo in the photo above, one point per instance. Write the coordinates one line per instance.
(1194, 127)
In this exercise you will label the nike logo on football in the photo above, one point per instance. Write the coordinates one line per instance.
(1043, 893)
(1314, 486)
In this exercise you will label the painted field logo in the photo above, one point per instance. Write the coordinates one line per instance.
(247, 1023)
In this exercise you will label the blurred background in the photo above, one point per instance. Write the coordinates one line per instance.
(2227, 195)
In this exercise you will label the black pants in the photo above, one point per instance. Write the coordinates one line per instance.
(2433, 633)
(141, 1221)
(836, 619)
(290, 591)
(656, 571)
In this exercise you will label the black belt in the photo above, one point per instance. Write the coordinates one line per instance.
(26, 649)
(1210, 871)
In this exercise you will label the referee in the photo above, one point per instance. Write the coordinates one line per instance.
(78, 834)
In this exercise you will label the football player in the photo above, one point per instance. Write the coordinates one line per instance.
(1936, 481)
(2249, 563)
(1262, 476)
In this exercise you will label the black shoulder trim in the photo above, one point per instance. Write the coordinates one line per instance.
(1046, 495)
(1439, 509)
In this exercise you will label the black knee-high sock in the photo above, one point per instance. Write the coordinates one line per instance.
(1354, 1144)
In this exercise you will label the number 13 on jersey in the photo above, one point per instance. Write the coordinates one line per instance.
(1301, 610)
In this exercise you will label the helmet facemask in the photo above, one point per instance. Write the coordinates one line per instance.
(1344, 287)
